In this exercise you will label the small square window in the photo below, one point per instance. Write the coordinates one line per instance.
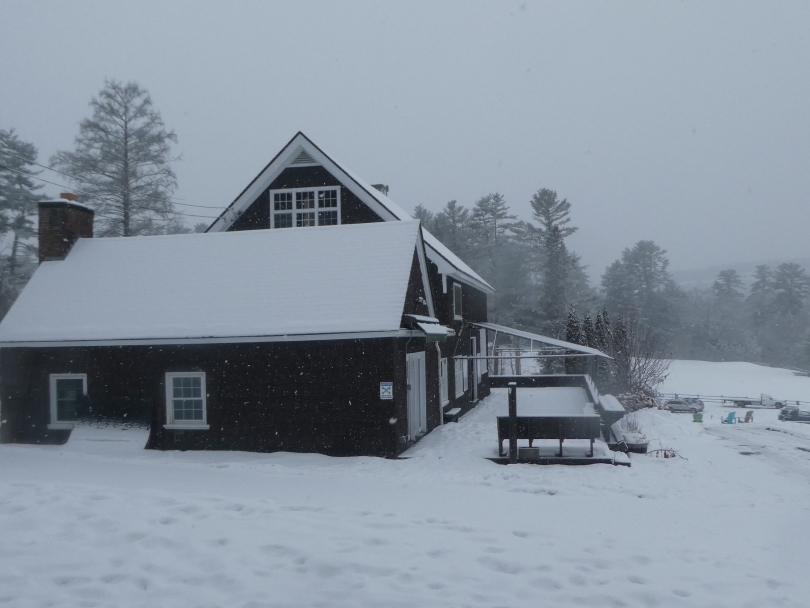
(282, 220)
(327, 218)
(327, 199)
(282, 201)
(305, 200)
(304, 219)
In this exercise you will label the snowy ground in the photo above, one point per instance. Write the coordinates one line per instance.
(101, 522)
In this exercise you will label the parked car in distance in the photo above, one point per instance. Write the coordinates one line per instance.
(763, 401)
(698, 403)
(794, 413)
(684, 405)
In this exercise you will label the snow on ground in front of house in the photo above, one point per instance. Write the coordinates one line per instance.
(102, 522)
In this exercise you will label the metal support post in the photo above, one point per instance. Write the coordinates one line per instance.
(512, 422)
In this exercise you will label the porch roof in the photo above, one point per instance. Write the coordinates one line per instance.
(526, 335)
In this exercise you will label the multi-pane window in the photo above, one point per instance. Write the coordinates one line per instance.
(304, 207)
(66, 391)
(282, 209)
(185, 399)
(457, 310)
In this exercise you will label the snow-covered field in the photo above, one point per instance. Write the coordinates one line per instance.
(101, 522)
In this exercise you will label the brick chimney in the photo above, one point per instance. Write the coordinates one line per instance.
(61, 222)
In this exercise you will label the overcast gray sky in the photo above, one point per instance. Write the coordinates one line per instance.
(682, 122)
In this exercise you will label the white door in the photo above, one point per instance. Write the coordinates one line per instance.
(417, 394)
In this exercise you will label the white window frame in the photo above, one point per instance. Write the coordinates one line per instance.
(62, 424)
(200, 425)
(295, 212)
(444, 393)
(458, 309)
(459, 375)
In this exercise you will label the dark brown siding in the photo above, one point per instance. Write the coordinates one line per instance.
(474, 308)
(415, 297)
(291, 396)
(352, 209)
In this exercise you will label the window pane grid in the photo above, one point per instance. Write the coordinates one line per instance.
(325, 213)
(327, 198)
(305, 200)
(282, 201)
(304, 219)
(187, 399)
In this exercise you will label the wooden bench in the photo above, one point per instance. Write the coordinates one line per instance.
(452, 415)
(550, 427)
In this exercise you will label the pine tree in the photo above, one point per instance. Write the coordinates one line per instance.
(573, 334)
(589, 332)
(123, 161)
(791, 286)
(18, 208)
(452, 225)
(728, 285)
(426, 216)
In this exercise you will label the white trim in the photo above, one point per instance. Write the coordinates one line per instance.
(458, 289)
(61, 426)
(420, 254)
(397, 333)
(185, 424)
(186, 427)
(458, 377)
(293, 211)
(444, 387)
(52, 380)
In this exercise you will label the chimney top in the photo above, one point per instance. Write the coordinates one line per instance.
(68, 196)
(381, 187)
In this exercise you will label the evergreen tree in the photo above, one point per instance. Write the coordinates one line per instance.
(639, 286)
(573, 334)
(123, 161)
(427, 217)
(452, 228)
(18, 208)
(728, 285)
(760, 298)
(791, 286)
(589, 332)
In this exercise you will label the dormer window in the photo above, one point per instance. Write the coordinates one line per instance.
(457, 301)
(303, 207)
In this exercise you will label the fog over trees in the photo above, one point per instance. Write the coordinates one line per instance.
(542, 286)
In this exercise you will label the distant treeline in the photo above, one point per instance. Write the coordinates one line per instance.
(540, 282)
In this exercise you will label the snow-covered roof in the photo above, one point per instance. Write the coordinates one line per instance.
(68, 202)
(253, 283)
(448, 262)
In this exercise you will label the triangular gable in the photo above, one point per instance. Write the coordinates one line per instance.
(301, 151)
(298, 148)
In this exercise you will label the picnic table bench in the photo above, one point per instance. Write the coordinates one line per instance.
(550, 427)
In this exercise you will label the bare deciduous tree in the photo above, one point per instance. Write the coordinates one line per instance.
(122, 162)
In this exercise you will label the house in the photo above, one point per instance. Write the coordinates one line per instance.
(354, 336)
